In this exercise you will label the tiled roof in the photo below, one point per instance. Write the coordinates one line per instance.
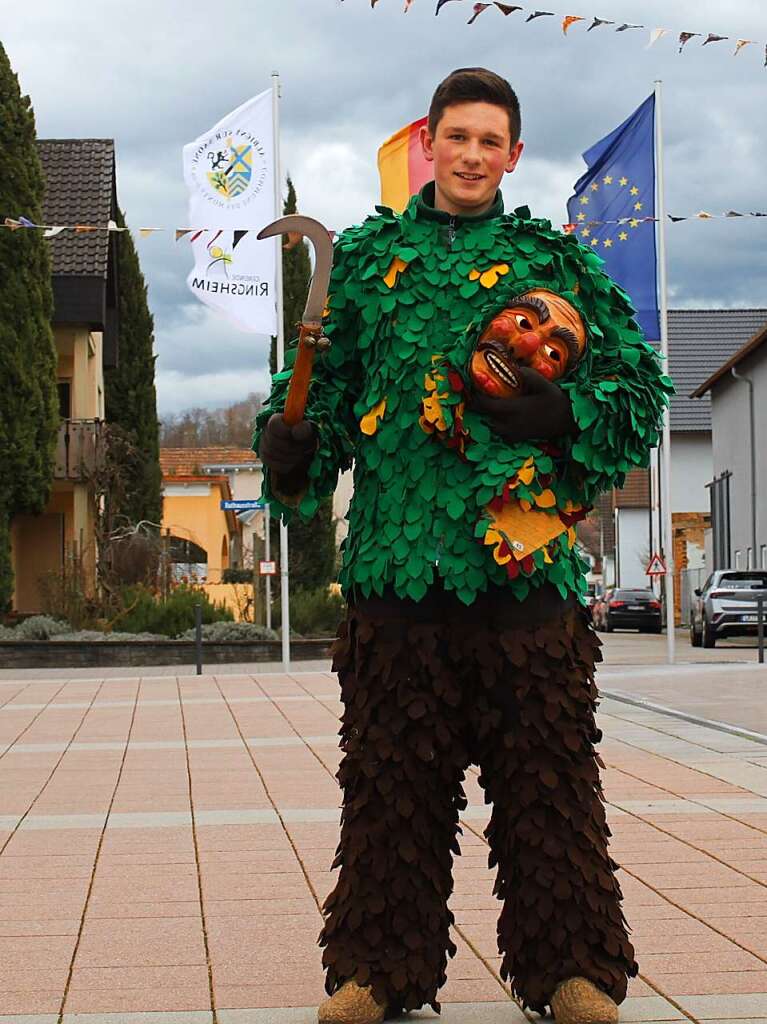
(700, 341)
(80, 176)
(754, 343)
(194, 461)
(636, 491)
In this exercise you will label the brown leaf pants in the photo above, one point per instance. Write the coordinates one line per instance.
(429, 688)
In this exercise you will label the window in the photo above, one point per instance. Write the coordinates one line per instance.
(65, 399)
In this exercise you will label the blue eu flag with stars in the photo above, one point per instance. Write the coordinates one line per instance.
(608, 211)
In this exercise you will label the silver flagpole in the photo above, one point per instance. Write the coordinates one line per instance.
(667, 525)
(284, 588)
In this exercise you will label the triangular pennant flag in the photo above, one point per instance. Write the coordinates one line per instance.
(146, 232)
(197, 234)
(714, 38)
(740, 44)
(14, 225)
(440, 5)
(181, 232)
(507, 9)
(598, 22)
(478, 9)
(685, 37)
(702, 215)
(570, 20)
(27, 223)
(238, 237)
(408, 5)
(112, 225)
(655, 35)
(539, 14)
(765, 56)
(758, 215)
(83, 229)
(53, 231)
(733, 213)
(676, 220)
(625, 26)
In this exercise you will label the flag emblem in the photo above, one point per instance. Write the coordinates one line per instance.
(231, 169)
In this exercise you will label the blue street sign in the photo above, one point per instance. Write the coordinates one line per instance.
(243, 505)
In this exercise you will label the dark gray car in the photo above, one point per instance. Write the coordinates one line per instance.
(722, 606)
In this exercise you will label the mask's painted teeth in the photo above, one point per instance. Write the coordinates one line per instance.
(502, 369)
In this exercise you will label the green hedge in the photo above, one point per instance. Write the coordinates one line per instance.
(171, 616)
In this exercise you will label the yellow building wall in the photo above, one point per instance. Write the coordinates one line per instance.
(199, 518)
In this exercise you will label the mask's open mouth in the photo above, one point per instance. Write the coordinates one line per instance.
(499, 364)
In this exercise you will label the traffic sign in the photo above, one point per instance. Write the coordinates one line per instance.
(656, 567)
(242, 505)
(267, 568)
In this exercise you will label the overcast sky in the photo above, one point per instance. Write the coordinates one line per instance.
(155, 74)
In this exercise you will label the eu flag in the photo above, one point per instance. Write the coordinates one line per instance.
(619, 188)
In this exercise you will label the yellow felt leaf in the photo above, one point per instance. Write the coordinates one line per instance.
(489, 279)
(429, 383)
(524, 532)
(548, 560)
(526, 474)
(396, 267)
(546, 499)
(369, 422)
(526, 505)
(474, 275)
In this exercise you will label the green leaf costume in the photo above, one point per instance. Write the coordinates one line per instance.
(409, 297)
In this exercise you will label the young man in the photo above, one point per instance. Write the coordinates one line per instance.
(466, 640)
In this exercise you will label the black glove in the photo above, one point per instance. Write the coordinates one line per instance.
(542, 411)
(288, 452)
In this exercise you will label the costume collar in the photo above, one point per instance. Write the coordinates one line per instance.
(421, 207)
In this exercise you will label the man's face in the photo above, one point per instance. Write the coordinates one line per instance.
(471, 151)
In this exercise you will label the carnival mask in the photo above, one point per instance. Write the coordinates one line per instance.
(539, 330)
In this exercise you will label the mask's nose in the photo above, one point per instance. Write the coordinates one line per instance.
(527, 344)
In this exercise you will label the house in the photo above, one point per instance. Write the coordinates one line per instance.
(81, 189)
(205, 539)
(700, 341)
(737, 394)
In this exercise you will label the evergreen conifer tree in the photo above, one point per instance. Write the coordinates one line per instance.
(313, 544)
(130, 396)
(28, 362)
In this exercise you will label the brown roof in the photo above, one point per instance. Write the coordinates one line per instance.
(194, 461)
(635, 493)
(80, 189)
(745, 350)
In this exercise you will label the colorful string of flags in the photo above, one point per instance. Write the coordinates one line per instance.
(52, 231)
(568, 20)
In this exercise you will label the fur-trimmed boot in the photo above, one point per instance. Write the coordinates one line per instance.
(351, 1004)
(579, 1001)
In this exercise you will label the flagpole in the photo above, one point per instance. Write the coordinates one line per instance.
(667, 525)
(284, 587)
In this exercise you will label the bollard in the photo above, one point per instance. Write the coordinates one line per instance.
(760, 627)
(198, 636)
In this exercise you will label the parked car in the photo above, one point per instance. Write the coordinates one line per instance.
(626, 608)
(721, 607)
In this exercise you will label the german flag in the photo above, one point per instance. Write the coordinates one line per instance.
(402, 166)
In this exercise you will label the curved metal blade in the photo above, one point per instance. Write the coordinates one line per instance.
(318, 235)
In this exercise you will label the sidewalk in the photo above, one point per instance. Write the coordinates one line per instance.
(165, 845)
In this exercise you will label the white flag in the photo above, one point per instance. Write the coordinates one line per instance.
(229, 172)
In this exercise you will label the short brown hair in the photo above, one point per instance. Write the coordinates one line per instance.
(476, 85)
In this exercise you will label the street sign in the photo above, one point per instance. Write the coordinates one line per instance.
(267, 568)
(656, 567)
(243, 505)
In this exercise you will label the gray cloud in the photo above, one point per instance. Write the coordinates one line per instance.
(154, 75)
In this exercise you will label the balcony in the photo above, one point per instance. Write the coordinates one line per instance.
(79, 450)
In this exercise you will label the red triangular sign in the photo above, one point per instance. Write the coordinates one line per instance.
(656, 567)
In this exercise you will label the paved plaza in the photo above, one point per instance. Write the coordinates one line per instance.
(165, 844)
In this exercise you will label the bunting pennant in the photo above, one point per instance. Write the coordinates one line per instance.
(571, 19)
(655, 35)
(685, 37)
(478, 9)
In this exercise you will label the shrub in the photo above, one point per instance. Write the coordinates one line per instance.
(224, 632)
(40, 627)
(314, 613)
(237, 576)
(170, 616)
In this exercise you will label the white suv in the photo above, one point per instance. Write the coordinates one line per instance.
(725, 606)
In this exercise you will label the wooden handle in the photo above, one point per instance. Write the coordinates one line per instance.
(298, 389)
